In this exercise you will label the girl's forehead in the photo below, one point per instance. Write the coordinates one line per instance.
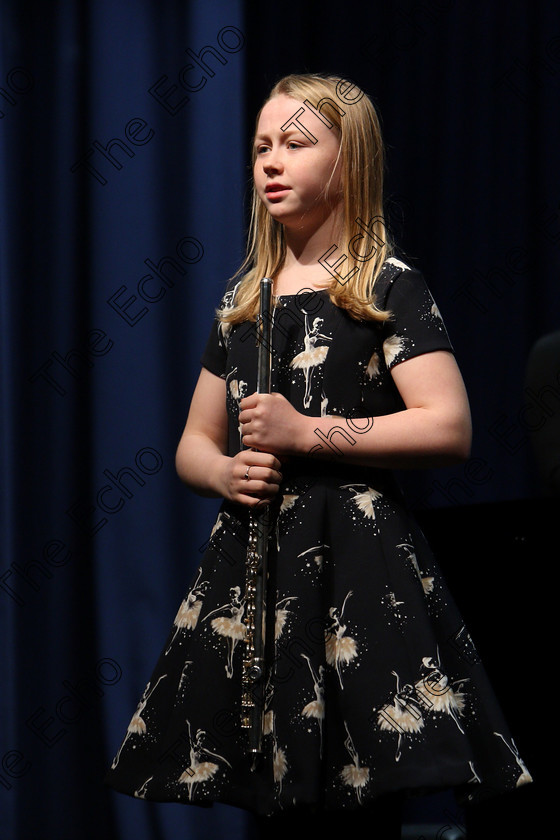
(278, 110)
(285, 115)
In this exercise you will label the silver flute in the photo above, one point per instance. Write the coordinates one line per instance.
(254, 667)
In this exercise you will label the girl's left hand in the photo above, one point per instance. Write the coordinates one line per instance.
(270, 423)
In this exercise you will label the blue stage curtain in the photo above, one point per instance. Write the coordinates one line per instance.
(123, 180)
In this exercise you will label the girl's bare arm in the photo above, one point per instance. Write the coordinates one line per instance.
(434, 429)
(202, 461)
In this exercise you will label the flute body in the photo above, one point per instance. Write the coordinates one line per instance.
(254, 666)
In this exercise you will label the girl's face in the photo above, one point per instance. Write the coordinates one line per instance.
(291, 170)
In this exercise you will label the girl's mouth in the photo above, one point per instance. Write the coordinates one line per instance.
(276, 190)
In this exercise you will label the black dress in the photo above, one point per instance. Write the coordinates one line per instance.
(375, 685)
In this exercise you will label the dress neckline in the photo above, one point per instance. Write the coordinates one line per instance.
(296, 294)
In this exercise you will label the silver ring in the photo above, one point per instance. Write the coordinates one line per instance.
(246, 476)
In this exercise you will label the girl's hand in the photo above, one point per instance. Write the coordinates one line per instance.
(270, 423)
(261, 484)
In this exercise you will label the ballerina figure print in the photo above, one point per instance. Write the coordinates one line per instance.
(316, 708)
(373, 367)
(232, 626)
(475, 778)
(317, 552)
(189, 611)
(354, 774)
(427, 582)
(311, 356)
(198, 771)
(340, 649)
(279, 758)
(219, 523)
(142, 790)
(392, 600)
(281, 616)
(365, 499)
(288, 502)
(436, 692)
(224, 327)
(183, 676)
(403, 715)
(525, 776)
(238, 390)
(392, 346)
(137, 725)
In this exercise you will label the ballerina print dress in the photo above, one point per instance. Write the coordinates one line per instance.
(374, 685)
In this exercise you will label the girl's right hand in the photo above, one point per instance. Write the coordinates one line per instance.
(262, 483)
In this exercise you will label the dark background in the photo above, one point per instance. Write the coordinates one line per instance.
(100, 538)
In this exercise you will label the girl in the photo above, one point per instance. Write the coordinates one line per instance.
(373, 686)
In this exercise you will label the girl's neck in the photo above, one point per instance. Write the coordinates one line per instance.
(302, 268)
(290, 281)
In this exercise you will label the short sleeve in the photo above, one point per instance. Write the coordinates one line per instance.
(214, 357)
(416, 325)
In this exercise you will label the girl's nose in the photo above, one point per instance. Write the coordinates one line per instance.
(272, 163)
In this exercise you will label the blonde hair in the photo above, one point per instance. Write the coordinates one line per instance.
(361, 152)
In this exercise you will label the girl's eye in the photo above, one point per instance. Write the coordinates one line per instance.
(294, 144)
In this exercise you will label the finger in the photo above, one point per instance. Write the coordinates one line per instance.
(260, 488)
(249, 401)
(254, 501)
(267, 474)
(275, 464)
(256, 458)
(258, 479)
(264, 459)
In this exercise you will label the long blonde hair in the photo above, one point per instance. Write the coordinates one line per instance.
(361, 151)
